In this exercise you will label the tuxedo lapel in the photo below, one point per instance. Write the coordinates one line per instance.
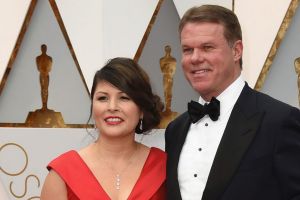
(183, 130)
(179, 134)
(238, 135)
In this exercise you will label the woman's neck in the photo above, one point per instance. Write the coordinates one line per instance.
(115, 148)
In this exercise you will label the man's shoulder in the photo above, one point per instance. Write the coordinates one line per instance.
(182, 116)
(270, 102)
(180, 119)
(262, 101)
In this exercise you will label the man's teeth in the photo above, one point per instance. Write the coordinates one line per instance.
(201, 71)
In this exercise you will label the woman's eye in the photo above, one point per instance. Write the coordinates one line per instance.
(102, 98)
(125, 98)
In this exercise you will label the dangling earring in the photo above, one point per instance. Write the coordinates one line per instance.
(141, 124)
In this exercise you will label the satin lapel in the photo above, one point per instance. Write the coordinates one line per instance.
(238, 135)
(180, 133)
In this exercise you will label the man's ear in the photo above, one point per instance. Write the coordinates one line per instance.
(237, 50)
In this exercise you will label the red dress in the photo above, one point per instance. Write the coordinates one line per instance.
(82, 184)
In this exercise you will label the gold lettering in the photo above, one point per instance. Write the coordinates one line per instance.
(26, 160)
(26, 183)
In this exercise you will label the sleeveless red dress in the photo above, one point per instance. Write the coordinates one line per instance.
(82, 184)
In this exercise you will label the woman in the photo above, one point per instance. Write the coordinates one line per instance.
(115, 166)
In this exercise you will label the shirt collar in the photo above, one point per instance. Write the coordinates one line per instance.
(229, 96)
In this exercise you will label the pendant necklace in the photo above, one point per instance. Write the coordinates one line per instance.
(119, 174)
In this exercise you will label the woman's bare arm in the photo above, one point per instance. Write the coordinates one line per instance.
(54, 187)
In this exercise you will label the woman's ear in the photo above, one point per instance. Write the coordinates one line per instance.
(141, 115)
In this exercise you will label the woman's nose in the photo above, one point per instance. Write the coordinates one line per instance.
(113, 105)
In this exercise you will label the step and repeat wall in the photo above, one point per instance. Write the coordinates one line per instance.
(63, 43)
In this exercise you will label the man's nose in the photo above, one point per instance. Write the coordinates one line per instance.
(196, 56)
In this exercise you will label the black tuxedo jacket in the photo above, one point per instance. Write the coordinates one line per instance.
(258, 157)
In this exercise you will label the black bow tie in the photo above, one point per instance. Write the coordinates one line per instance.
(197, 111)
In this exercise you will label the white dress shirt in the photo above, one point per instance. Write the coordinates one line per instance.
(201, 145)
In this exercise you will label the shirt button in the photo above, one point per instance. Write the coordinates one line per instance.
(200, 149)
(206, 124)
(195, 175)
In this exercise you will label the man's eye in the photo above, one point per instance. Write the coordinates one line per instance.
(187, 50)
(207, 48)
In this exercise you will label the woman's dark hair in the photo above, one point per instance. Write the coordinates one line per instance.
(126, 75)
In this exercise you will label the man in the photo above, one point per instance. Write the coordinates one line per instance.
(247, 150)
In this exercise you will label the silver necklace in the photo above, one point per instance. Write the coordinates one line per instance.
(119, 174)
